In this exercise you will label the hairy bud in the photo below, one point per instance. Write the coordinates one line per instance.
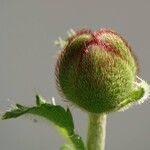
(97, 70)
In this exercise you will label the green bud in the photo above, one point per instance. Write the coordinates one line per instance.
(97, 71)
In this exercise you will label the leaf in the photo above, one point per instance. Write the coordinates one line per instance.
(139, 95)
(66, 147)
(61, 118)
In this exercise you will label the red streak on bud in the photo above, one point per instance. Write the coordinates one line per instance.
(106, 46)
(109, 31)
(93, 42)
(96, 40)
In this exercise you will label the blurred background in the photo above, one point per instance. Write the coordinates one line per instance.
(28, 29)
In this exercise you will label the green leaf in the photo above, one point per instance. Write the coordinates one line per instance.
(56, 114)
(139, 95)
(66, 147)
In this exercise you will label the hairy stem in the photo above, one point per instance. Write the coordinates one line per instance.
(96, 132)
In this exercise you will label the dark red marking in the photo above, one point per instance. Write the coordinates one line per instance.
(101, 31)
(97, 41)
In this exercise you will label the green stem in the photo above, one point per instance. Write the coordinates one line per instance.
(96, 132)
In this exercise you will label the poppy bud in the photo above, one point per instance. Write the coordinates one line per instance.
(97, 70)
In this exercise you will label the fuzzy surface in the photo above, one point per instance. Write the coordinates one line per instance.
(96, 70)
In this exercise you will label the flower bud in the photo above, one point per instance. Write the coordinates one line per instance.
(96, 71)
